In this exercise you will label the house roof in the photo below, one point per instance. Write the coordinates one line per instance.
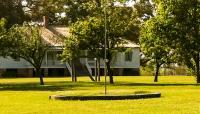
(64, 31)
(129, 44)
(55, 36)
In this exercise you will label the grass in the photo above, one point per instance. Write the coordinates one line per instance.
(180, 95)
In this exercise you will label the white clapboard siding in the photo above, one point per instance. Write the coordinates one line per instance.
(119, 60)
(6, 63)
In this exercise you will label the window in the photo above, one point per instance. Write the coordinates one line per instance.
(58, 55)
(16, 58)
(51, 57)
(128, 56)
(90, 59)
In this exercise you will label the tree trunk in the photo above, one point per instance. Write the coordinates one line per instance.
(197, 68)
(98, 72)
(156, 72)
(39, 74)
(198, 77)
(74, 77)
(110, 72)
(95, 70)
(196, 29)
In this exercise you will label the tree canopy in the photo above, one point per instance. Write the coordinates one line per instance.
(12, 11)
(3, 35)
(153, 44)
(27, 43)
(178, 31)
(88, 32)
(182, 20)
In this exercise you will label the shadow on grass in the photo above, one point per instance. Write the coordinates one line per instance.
(155, 84)
(50, 86)
(66, 85)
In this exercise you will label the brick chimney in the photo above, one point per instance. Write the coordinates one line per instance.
(45, 21)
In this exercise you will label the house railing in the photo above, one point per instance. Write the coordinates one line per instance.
(89, 68)
(69, 68)
(91, 64)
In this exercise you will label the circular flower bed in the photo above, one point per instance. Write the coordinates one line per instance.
(107, 97)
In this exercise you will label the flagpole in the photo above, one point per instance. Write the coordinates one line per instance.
(105, 46)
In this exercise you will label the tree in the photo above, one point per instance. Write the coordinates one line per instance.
(3, 34)
(154, 46)
(122, 23)
(62, 12)
(27, 43)
(89, 32)
(182, 19)
(36, 9)
(144, 9)
(89, 36)
(12, 11)
(71, 53)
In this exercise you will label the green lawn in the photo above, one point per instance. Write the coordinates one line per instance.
(180, 95)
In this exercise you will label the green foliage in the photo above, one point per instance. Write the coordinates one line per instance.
(153, 44)
(122, 23)
(88, 35)
(152, 41)
(154, 38)
(182, 20)
(3, 35)
(128, 50)
(3, 22)
(88, 31)
(73, 9)
(2, 29)
(27, 43)
(71, 49)
(9, 74)
(36, 9)
(144, 9)
(12, 11)
(147, 71)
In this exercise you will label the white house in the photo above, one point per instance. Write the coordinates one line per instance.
(122, 64)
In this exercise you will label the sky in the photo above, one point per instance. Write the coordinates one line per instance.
(129, 3)
(24, 3)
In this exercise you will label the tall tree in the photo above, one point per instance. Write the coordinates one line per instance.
(62, 12)
(154, 46)
(27, 43)
(182, 19)
(71, 53)
(120, 23)
(145, 9)
(89, 35)
(12, 11)
(36, 9)
(3, 35)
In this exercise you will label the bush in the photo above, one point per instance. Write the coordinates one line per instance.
(146, 71)
(9, 74)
